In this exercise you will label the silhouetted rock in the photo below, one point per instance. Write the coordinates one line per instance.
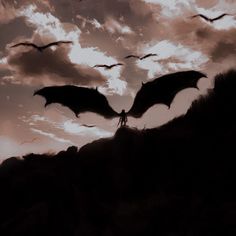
(72, 150)
(178, 179)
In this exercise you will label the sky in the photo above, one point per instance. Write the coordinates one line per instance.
(103, 32)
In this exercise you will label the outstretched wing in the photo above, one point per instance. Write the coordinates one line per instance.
(163, 90)
(56, 44)
(102, 66)
(25, 44)
(202, 16)
(148, 55)
(78, 99)
(220, 16)
(114, 65)
(131, 56)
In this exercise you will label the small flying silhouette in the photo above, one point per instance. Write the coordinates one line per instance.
(29, 141)
(141, 58)
(40, 48)
(109, 67)
(88, 126)
(211, 20)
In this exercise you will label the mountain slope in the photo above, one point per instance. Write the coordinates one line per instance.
(178, 179)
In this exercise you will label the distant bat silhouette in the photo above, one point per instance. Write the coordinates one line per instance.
(29, 141)
(211, 20)
(109, 67)
(132, 56)
(141, 58)
(88, 126)
(160, 90)
(40, 48)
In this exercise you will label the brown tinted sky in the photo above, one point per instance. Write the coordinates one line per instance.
(102, 31)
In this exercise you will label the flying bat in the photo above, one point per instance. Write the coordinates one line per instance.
(148, 55)
(109, 67)
(211, 20)
(29, 141)
(88, 126)
(160, 90)
(40, 48)
(132, 56)
(141, 58)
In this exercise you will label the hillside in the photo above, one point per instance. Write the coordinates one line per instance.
(178, 179)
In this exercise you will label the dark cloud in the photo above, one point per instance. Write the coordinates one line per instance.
(222, 50)
(203, 34)
(218, 45)
(206, 4)
(135, 14)
(99, 10)
(8, 35)
(7, 12)
(4, 72)
(53, 66)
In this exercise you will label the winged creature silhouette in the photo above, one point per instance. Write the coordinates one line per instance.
(108, 67)
(88, 126)
(211, 20)
(160, 90)
(141, 58)
(29, 141)
(41, 48)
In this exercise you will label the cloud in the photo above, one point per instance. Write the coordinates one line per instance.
(225, 23)
(172, 8)
(51, 135)
(94, 22)
(10, 147)
(176, 57)
(113, 26)
(61, 66)
(206, 4)
(7, 12)
(71, 127)
(222, 50)
(91, 56)
(16, 28)
(3, 61)
(161, 26)
(51, 67)
(68, 126)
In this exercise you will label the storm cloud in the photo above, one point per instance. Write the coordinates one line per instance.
(53, 67)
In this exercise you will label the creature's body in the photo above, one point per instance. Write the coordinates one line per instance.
(160, 90)
(123, 118)
(40, 48)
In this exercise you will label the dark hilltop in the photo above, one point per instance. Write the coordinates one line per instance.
(176, 180)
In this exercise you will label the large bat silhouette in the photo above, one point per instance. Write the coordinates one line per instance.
(160, 90)
(141, 58)
(41, 48)
(108, 67)
(211, 20)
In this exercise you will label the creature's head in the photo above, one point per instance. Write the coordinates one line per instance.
(123, 112)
